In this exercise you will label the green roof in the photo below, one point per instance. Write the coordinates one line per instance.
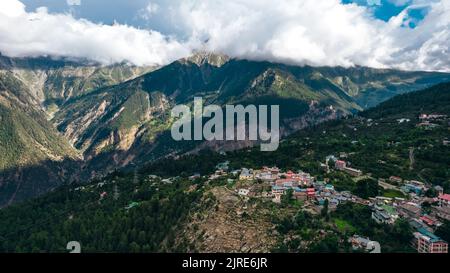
(389, 209)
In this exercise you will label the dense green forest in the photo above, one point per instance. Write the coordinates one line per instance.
(127, 214)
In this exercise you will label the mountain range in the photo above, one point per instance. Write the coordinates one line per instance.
(65, 121)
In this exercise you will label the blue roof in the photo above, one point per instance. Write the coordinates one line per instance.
(433, 237)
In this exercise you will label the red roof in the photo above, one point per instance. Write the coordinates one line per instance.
(310, 189)
(286, 180)
(446, 197)
(427, 220)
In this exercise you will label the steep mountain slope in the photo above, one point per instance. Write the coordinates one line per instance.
(138, 212)
(52, 82)
(35, 157)
(129, 122)
(27, 139)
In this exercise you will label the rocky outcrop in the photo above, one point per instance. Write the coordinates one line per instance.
(229, 224)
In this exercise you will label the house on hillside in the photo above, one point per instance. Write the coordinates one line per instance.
(243, 192)
(384, 214)
(353, 172)
(246, 174)
(409, 210)
(426, 242)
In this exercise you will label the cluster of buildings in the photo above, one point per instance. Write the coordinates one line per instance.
(302, 185)
(415, 187)
(342, 165)
(426, 242)
(327, 192)
(426, 120)
(430, 117)
(424, 223)
(385, 210)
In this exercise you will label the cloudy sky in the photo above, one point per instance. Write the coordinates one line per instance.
(403, 34)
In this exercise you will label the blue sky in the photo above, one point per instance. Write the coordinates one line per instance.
(401, 34)
(386, 9)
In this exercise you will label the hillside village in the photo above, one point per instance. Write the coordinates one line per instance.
(405, 199)
(424, 206)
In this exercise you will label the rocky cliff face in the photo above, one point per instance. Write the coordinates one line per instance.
(35, 156)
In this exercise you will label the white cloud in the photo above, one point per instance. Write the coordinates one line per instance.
(319, 32)
(11, 8)
(426, 47)
(149, 10)
(60, 35)
(73, 2)
(314, 32)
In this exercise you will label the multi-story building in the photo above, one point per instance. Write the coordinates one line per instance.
(246, 174)
(442, 212)
(340, 165)
(444, 200)
(353, 172)
(409, 210)
(395, 179)
(426, 242)
(384, 214)
(287, 182)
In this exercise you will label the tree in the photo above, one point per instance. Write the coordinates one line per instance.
(402, 231)
(330, 244)
(444, 231)
(431, 193)
(324, 211)
(426, 207)
(366, 188)
(287, 197)
(135, 248)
